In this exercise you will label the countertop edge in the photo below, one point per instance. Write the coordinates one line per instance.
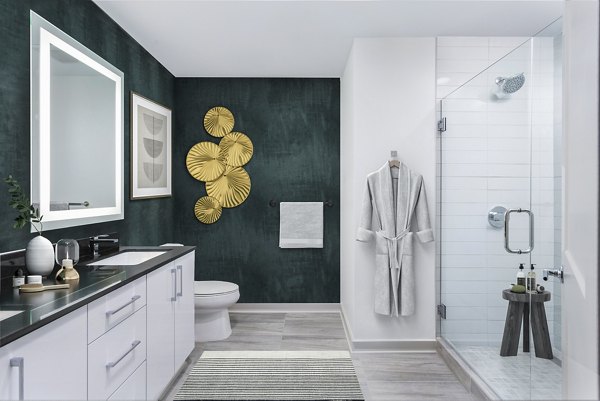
(144, 268)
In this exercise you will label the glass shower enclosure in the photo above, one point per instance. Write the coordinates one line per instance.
(501, 151)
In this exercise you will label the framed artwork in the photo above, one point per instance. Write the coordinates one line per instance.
(150, 149)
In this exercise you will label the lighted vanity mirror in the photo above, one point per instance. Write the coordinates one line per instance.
(76, 131)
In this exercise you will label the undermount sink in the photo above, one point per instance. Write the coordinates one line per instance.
(128, 258)
(5, 314)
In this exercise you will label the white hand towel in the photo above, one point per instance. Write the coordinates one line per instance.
(301, 225)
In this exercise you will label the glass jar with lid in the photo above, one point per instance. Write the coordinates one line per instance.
(67, 249)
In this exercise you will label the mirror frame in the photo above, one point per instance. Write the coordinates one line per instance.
(40, 128)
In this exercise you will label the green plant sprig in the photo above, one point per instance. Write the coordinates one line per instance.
(20, 202)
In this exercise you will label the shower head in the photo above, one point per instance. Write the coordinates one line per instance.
(511, 84)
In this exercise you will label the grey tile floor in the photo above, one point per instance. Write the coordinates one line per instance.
(519, 377)
(382, 376)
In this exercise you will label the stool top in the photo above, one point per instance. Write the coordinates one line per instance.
(513, 296)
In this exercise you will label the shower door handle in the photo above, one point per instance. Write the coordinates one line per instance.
(507, 231)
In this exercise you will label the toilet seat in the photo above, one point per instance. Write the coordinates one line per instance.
(214, 288)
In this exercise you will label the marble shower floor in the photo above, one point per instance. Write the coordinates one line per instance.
(382, 376)
(520, 377)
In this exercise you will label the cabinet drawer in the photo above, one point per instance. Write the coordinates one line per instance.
(134, 388)
(113, 357)
(110, 310)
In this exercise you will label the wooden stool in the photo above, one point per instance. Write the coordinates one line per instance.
(518, 310)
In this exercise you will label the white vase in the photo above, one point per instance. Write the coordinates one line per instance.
(39, 256)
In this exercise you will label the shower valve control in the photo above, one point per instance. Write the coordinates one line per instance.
(558, 273)
(496, 216)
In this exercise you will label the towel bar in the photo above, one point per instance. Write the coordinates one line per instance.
(327, 203)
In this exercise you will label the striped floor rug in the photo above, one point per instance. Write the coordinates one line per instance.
(272, 375)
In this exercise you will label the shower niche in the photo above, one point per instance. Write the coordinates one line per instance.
(501, 150)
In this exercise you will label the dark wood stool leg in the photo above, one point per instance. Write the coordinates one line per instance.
(526, 328)
(512, 329)
(541, 335)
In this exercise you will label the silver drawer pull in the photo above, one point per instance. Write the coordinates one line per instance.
(133, 299)
(133, 345)
(19, 363)
(174, 278)
(180, 292)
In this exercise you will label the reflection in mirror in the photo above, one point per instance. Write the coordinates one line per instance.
(77, 131)
(81, 125)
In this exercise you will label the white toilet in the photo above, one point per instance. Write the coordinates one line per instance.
(212, 302)
(213, 299)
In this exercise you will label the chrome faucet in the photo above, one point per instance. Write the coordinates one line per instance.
(95, 243)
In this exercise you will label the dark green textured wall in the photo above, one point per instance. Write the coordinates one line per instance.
(294, 124)
(295, 127)
(147, 222)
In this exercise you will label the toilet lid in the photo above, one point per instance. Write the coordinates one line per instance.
(204, 288)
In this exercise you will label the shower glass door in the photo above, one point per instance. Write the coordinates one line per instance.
(501, 151)
(546, 204)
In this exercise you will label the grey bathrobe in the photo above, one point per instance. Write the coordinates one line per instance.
(391, 214)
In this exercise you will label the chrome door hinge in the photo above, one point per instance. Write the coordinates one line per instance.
(442, 125)
(441, 310)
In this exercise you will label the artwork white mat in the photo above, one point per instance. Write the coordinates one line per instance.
(150, 149)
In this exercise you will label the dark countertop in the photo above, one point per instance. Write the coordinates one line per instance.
(41, 308)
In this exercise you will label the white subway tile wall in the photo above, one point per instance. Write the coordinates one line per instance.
(495, 151)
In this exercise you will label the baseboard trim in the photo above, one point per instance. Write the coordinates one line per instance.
(285, 308)
(384, 345)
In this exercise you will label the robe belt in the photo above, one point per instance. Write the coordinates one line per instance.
(392, 244)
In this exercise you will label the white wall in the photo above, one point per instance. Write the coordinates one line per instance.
(461, 58)
(388, 92)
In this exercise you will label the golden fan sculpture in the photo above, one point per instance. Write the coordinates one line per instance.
(232, 188)
(208, 209)
(218, 121)
(204, 161)
(220, 166)
(236, 149)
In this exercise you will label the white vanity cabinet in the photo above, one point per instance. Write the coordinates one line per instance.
(170, 308)
(184, 309)
(49, 363)
(134, 387)
(125, 345)
(116, 331)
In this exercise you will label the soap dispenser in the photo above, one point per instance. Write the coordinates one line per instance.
(531, 280)
(521, 275)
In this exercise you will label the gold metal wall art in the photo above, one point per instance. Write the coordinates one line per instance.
(232, 188)
(218, 121)
(227, 183)
(236, 149)
(204, 161)
(208, 210)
